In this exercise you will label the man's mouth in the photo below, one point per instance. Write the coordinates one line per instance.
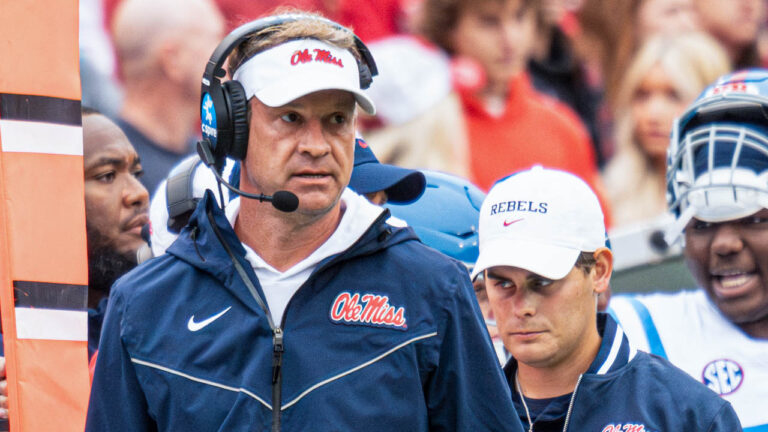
(312, 175)
(733, 283)
(526, 334)
(135, 225)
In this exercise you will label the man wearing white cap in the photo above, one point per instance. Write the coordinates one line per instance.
(718, 189)
(543, 255)
(310, 314)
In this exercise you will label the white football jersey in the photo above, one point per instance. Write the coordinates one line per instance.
(689, 331)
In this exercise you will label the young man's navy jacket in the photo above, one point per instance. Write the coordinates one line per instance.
(629, 390)
(385, 336)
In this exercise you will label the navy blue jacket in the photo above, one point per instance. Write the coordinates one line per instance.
(629, 390)
(434, 371)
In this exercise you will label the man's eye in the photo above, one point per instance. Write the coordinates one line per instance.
(108, 177)
(290, 117)
(702, 226)
(338, 119)
(503, 284)
(755, 221)
(138, 173)
(539, 283)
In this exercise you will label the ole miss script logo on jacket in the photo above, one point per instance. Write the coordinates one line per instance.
(367, 309)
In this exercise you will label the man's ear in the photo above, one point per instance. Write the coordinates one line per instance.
(602, 270)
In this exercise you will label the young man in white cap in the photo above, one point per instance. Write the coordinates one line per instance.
(543, 255)
(318, 316)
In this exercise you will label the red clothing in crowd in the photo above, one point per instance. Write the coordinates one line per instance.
(533, 129)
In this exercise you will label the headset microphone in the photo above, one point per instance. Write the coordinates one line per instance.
(282, 200)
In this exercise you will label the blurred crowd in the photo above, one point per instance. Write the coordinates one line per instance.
(476, 89)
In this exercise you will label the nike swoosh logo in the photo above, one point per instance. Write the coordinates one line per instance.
(511, 222)
(195, 326)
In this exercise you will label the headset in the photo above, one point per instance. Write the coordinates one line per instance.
(224, 121)
(224, 106)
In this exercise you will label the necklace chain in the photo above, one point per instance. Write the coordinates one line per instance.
(525, 405)
(522, 398)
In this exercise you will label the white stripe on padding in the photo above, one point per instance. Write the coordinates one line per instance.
(356, 368)
(38, 137)
(201, 380)
(51, 324)
(617, 338)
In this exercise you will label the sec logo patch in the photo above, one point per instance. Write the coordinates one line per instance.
(723, 376)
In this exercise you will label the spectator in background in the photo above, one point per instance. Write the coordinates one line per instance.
(162, 47)
(612, 31)
(666, 75)
(556, 70)
(419, 120)
(717, 175)
(736, 25)
(510, 125)
(97, 61)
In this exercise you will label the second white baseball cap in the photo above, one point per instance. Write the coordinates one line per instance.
(539, 220)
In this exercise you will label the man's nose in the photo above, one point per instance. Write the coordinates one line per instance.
(727, 240)
(313, 141)
(135, 194)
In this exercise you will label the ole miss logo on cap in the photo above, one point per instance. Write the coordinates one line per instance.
(304, 56)
(367, 309)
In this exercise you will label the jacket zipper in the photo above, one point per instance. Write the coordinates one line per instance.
(277, 376)
(277, 332)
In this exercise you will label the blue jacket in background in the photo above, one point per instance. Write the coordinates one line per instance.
(436, 371)
(629, 390)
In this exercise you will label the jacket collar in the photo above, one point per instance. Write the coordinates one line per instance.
(198, 243)
(615, 351)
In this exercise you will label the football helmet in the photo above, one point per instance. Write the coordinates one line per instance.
(446, 216)
(717, 161)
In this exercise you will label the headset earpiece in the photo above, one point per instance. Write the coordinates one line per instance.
(237, 103)
(366, 66)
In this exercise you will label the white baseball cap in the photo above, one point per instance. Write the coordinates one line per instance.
(299, 67)
(539, 220)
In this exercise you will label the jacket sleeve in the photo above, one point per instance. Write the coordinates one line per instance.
(725, 420)
(117, 402)
(468, 391)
